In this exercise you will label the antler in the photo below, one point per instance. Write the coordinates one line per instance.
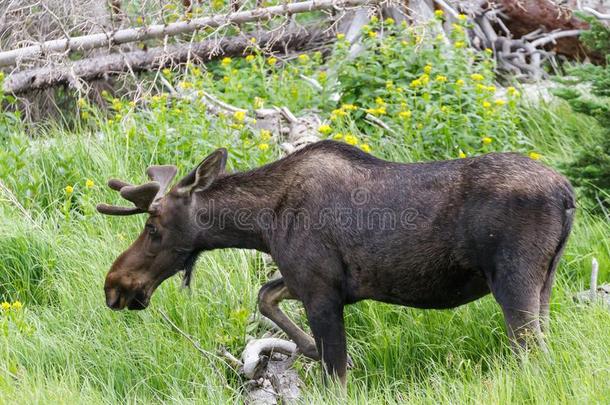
(142, 196)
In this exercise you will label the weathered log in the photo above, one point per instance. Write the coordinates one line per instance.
(156, 58)
(93, 41)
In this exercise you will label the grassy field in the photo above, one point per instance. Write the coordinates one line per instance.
(64, 346)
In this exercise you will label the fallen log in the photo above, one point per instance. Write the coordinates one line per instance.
(87, 42)
(155, 58)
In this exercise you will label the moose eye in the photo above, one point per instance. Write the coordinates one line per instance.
(151, 229)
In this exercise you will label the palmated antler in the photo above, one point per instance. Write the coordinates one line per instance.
(142, 196)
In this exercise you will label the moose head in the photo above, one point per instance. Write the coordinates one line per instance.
(169, 242)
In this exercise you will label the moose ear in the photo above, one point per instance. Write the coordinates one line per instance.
(205, 173)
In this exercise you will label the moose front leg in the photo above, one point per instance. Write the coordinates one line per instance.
(269, 297)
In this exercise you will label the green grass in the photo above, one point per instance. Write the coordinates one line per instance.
(65, 346)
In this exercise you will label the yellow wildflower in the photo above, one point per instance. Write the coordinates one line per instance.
(439, 13)
(351, 139)
(424, 79)
(258, 102)
(263, 146)
(389, 85)
(462, 17)
(457, 27)
(460, 44)
(303, 58)
(17, 305)
(338, 136)
(69, 189)
(372, 34)
(499, 102)
(462, 155)
(379, 101)
(477, 77)
(239, 116)
(249, 58)
(166, 72)
(340, 36)
(365, 147)
(322, 76)
(183, 85)
(84, 115)
(459, 82)
(445, 109)
(535, 156)
(415, 83)
(226, 61)
(252, 40)
(226, 79)
(405, 114)
(441, 78)
(325, 129)
(389, 21)
(265, 134)
(428, 68)
(140, 20)
(374, 19)
(272, 61)
(81, 102)
(486, 104)
(89, 183)
(487, 140)
(5, 306)
(512, 91)
(488, 51)
(349, 107)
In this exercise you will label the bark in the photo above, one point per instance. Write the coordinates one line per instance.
(155, 58)
(86, 42)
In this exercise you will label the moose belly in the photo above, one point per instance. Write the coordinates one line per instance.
(429, 289)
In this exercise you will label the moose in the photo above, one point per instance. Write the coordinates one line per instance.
(344, 226)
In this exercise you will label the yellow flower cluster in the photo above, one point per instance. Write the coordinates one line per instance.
(250, 58)
(513, 91)
(69, 189)
(477, 77)
(272, 61)
(89, 183)
(487, 140)
(239, 116)
(265, 134)
(441, 79)
(421, 81)
(340, 36)
(462, 155)
(17, 305)
(460, 44)
(303, 58)
(226, 61)
(462, 17)
(389, 21)
(263, 146)
(325, 129)
(439, 13)
(535, 156)
(405, 115)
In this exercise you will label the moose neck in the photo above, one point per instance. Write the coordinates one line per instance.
(240, 207)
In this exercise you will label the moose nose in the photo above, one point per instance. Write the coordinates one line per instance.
(113, 299)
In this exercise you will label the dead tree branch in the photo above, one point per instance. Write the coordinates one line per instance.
(155, 58)
(87, 42)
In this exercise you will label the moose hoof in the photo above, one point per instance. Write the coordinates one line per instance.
(310, 351)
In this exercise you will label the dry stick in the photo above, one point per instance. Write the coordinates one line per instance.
(593, 285)
(154, 58)
(93, 41)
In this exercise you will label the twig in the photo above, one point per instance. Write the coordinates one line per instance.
(374, 120)
(596, 13)
(593, 285)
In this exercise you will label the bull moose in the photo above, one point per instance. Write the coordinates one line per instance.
(344, 226)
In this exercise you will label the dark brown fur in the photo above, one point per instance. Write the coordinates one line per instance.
(495, 223)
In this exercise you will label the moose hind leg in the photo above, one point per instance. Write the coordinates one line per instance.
(269, 298)
(325, 315)
(517, 290)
